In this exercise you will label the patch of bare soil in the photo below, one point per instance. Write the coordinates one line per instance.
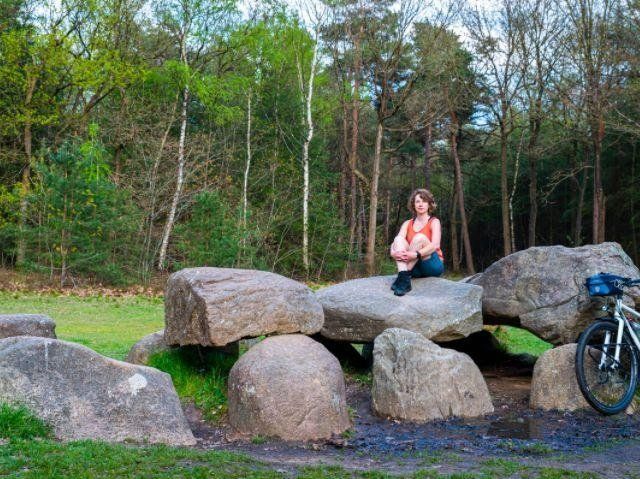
(31, 282)
(580, 441)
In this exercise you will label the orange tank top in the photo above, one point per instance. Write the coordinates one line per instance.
(426, 230)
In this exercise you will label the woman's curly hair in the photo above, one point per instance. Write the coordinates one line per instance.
(425, 195)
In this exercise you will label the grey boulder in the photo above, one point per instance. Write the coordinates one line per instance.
(554, 385)
(27, 325)
(541, 289)
(289, 387)
(84, 395)
(361, 309)
(218, 306)
(149, 345)
(416, 380)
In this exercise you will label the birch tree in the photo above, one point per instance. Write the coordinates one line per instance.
(193, 25)
(315, 16)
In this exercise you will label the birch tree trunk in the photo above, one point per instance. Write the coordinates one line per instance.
(305, 161)
(148, 259)
(168, 227)
(245, 183)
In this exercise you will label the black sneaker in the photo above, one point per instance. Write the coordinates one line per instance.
(395, 283)
(404, 283)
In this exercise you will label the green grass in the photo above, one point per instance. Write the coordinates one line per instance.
(109, 326)
(17, 422)
(520, 341)
(89, 459)
(199, 375)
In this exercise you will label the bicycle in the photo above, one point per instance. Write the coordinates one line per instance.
(608, 351)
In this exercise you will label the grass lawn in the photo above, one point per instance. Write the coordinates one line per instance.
(108, 325)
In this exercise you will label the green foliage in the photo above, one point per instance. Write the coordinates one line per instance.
(88, 224)
(210, 236)
(17, 422)
(199, 375)
(9, 206)
(258, 439)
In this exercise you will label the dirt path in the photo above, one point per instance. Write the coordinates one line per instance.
(582, 441)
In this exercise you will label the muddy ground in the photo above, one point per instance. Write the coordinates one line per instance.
(580, 441)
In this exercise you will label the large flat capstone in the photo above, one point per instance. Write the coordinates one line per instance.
(542, 288)
(84, 395)
(217, 306)
(26, 325)
(361, 309)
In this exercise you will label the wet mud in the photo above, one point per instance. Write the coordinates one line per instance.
(581, 441)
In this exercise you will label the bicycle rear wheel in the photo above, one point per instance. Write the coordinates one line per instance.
(606, 383)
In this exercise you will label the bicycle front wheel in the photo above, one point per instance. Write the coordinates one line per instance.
(607, 383)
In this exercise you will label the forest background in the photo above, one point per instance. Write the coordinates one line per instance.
(139, 137)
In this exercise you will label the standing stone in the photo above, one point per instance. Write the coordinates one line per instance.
(441, 310)
(542, 288)
(218, 306)
(554, 384)
(289, 387)
(417, 380)
(27, 325)
(84, 395)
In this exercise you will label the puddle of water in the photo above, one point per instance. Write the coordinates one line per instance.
(521, 428)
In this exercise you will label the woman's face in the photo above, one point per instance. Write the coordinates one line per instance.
(420, 205)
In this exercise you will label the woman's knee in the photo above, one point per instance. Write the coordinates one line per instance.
(419, 241)
(399, 243)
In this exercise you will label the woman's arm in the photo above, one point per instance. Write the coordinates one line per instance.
(436, 237)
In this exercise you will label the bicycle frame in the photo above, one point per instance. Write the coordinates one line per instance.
(623, 323)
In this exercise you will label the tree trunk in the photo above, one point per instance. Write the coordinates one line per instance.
(305, 161)
(245, 182)
(513, 193)
(147, 261)
(426, 141)
(504, 190)
(460, 194)
(455, 256)
(534, 127)
(26, 174)
(168, 227)
(577, 240)
(370, 256)
(353, 154)
(597, 192)
(342, 184)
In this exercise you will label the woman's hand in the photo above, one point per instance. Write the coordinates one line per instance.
(399, 255)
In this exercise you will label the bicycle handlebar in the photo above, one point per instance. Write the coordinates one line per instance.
(631, 282)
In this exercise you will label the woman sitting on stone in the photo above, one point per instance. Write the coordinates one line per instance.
(416, 248)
